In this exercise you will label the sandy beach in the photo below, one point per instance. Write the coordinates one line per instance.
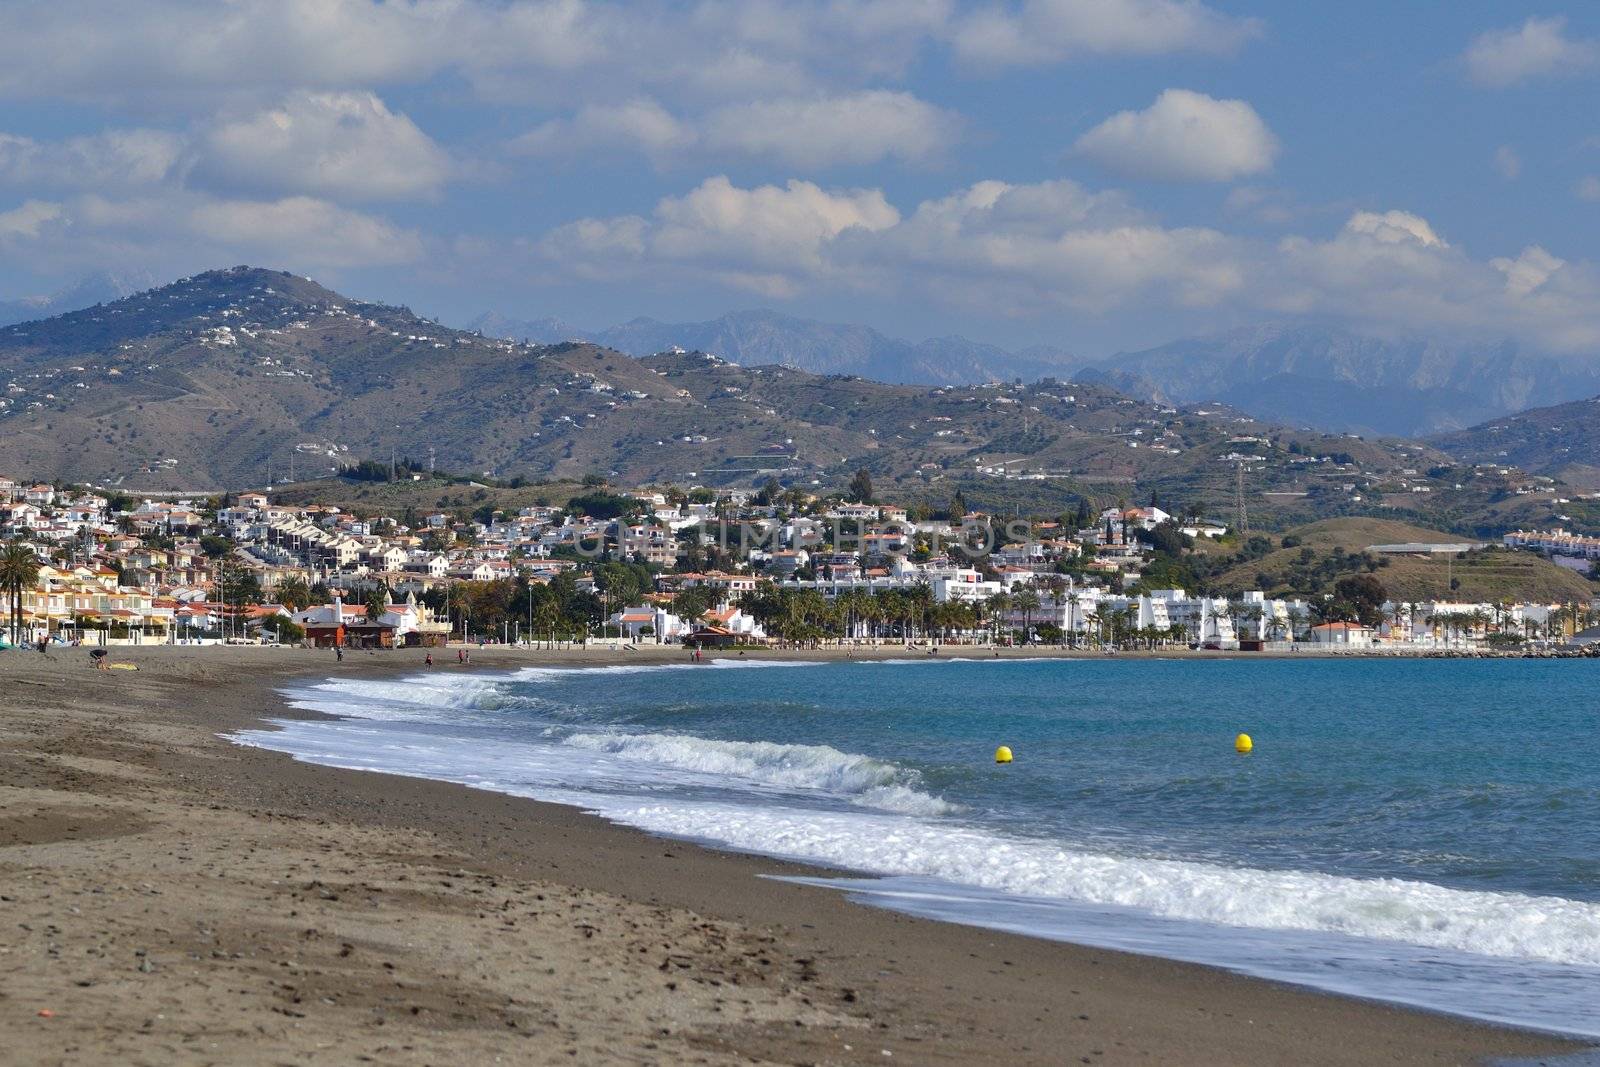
(169, 897)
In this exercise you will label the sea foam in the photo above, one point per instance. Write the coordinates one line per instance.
(865, 781)
(1526, 958)
(598, 771)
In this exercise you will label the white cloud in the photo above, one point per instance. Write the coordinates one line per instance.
(858, 128)
(183, 53)
(28, 219)
(824, 131)
(172, 231)
(641, 124)
(992, 244)
(87, 49)
(1004, 250)
(1531, 269)
(1588, 188)
(1021, 248)
(126, 157)
(1048, 31)
(302, 229)
(345, 145)
(1507, 162)
(763, 239)
(1183, 136)
(1391, 269)
(1393, 228)
(1539, 48)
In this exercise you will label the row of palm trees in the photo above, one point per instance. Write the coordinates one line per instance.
(1481, 623)
(911, 614)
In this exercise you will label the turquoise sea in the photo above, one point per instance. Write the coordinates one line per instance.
(1423, 831)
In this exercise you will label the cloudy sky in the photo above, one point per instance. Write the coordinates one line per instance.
(1094, 174)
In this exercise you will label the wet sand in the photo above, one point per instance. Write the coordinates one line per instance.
(167, 897)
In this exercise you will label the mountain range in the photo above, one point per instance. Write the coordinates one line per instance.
(762, 337)
(242, 376)
(1332, 378)
(99, 288)
(1302, 374)
(1562, 441)
(229, 377)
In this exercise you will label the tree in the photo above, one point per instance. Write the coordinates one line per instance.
(19, 570)
(215, 547)
(1165, 537)
(691, 603)
(377, 601)
(294, 594)
(240, 587)
(861, 487)
(1365, 595)
(1027, 601)
(602, 504)
(286, 628)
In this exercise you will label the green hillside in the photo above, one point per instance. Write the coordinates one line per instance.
(1339, 548)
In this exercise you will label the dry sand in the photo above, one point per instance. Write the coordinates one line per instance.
(166, 897)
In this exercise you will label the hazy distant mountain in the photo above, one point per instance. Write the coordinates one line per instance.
(99, 288)
(1338, 380)
(758, 338)
(533, 331)
(1308, 375)
(1562, 440)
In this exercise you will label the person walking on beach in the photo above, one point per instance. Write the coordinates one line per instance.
(461, 657)
(427, 659)
(338, 653)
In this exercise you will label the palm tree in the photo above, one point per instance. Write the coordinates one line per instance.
(1480, 622)
(1214, 616)
(377, 601)
(1248, 614)
(294, 594)
(871, 613)
(1297, 619)
(1130, 623)
(998, 605)
(1027, 602)
(19, 570)
(1073, 600)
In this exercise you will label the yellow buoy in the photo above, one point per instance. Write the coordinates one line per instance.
(1242, 744)
(1002, 754)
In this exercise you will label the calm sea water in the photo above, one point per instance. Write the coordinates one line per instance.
(1421, 831)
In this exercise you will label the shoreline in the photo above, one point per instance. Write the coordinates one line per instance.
(122, 778)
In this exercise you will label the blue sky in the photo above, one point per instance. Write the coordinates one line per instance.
(1091, 174)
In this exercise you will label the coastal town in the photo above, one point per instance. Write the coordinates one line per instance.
(708, 568)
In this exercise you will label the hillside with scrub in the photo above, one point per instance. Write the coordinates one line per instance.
(1309, 560)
